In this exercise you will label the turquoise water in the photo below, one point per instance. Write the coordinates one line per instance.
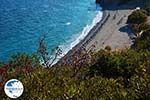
(22, 22)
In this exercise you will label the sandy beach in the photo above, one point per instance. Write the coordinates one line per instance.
(111, 31)
(114, 32)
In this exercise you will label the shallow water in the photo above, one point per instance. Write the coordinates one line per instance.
(22, 22)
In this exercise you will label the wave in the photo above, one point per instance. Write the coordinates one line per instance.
(87, 29)
(66, 48)
(68, 23)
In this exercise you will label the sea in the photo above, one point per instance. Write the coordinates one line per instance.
(64, 22)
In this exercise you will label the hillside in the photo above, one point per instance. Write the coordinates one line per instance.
(103, 75)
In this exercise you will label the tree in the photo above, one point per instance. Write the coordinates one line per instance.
(137, 17)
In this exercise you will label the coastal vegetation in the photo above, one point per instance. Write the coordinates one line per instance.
(137, 17)
(137, 20)
(109, 75)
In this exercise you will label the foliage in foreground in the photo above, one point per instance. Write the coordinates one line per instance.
(121, 75)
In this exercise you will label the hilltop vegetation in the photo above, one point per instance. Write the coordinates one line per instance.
(111, 75)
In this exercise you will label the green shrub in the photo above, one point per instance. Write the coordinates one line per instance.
(23, 59)
(143, 43)
(137, 17)
(140, 87)
(144, 27)
(116, 64)
(108, 48)
(65, 82)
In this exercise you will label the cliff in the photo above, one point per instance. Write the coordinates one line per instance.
(98, 1)
(105, 1)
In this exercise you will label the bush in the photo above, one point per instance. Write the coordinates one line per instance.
(23, 59)
(137, 17)
(143, 43)
(140, 87)
(116, 64)
(144, 27)
(108, 48)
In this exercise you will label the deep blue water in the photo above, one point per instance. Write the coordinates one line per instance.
(23, 21)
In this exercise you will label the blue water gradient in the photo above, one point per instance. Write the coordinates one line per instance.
(23, 21)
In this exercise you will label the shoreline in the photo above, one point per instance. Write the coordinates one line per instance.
(87, 38)
(84, 33)
(86, 29)
(111, 30)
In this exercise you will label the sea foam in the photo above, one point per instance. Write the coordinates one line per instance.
(83, 34)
